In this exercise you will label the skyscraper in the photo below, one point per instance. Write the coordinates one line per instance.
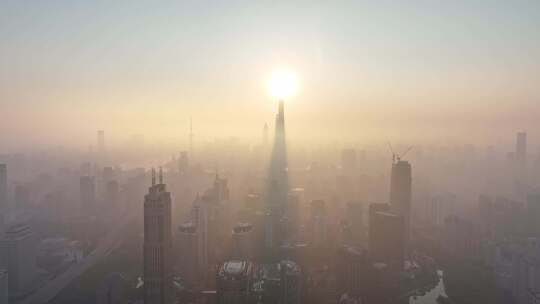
(277, 187)
(157, 249)
(88, 194)
(3, 187)
(234, 282)
(4, 294)
(386, 238)
(18, 256)
(401, 193)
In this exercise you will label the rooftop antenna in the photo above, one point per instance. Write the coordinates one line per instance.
(396, 156)
(160, 175)
(392, 151)
(153, 176)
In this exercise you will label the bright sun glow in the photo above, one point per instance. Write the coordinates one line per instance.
(282, 84)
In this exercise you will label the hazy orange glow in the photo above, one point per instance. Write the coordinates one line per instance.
(283, 83)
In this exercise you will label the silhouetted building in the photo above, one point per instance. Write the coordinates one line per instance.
(318, 224)
(281, 282)
(387, 238)
(18, 255)
(4, 293)
(352, 271)
(158, 274)
(243, 242)
(183, 162)
(3, 187)
(234, 280)
(22, 196)
(277, 188)
(88, 194)
(355, 222)
(189, 255)
(401, 193)
(460, 238)
(112, 193)
(377, 207)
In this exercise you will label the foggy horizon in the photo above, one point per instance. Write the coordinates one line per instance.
(270, 152)
(364, 70)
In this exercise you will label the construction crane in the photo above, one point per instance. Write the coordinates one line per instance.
(398, 156)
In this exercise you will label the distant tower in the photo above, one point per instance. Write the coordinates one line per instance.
(521, 147)
(387, 238)
(158, 284)
(3, 187)
(101, 141)
(277, 188)
(4, 294)
(401, 193)
(189, 257)
(88, 194)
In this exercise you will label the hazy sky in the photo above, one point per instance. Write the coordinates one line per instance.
(367, 69)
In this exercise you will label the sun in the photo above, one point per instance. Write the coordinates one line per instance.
(282, 84)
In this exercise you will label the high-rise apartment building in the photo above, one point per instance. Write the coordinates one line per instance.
(3, 187)
(401, 193)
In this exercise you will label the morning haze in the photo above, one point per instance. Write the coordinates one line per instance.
(270, 152)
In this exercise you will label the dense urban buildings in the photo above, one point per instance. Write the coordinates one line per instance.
(393, 159)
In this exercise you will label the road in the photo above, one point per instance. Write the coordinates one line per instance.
(105, 246)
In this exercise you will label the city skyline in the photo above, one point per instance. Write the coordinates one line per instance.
(463, 69)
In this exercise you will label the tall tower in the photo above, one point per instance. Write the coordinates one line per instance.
(3, 187)
(401, 193)
(88, 194)
(158, 282)
(277, 188)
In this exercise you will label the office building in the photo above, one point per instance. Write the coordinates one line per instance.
(22, 196)
(189, 256)
(352, 271)
(401, 193)
(158, 274)
(112, 194)
(354, 217)
(4, 293)
(243, 241)
(318, 224)
(3, 187)
(387, 238)
(183, 162)
(234, 280)
(18, 255)
(88, 194)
